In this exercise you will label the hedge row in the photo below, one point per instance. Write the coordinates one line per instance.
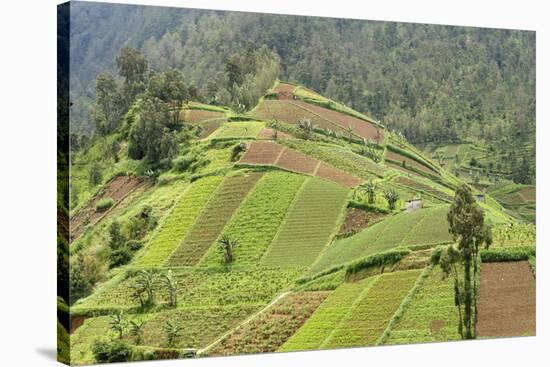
(410, 155)
(501, 254)
(383, 258)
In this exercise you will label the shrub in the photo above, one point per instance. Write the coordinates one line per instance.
(518, 253)
(237, 151)
(120, 256)
(104, 204)
(383, 258)
(107, 351)
(436, 254)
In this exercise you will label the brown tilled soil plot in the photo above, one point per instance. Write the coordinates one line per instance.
(408, 162)
(209, 127)
(288, 111)
(334, 174)
(360, 127)
(196, 116)
(507, 300)
(117, 189)
(357, 219)
(285, 91)
(270, 330)
(262, 152)
(267, 134)
(297, 162)
(528, 193)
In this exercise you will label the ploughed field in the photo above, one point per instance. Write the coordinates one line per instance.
(507, 300)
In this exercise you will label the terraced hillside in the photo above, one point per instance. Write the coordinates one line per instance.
(260, 235)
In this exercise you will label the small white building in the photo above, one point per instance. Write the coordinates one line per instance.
(413, 205)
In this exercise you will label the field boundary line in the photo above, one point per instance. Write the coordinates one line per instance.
(243, 201)
(165, 262)
(279, 155)
(246, 322)
(283, 222)
(317, 168)
(352, 307)
(404, 306)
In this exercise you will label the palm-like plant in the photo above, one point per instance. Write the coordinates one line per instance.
(306, 126)
(136, 330)
(391, 197)
(172, 333)
(118, 324)
(226, 245)
(146, 283)
(369, 189)
(172, 285)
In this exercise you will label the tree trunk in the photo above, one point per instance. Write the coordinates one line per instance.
(468, 296)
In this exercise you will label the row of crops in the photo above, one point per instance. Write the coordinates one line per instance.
(425, 226)
(309, 224)
(356, 314)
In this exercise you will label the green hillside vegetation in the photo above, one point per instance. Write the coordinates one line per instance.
(200, 249)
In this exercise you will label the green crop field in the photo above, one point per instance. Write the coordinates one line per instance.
(401, 229)
(257, 220)
(327, 317)
(431, 316)
(239, 129)
(208, 226)
(310, 223)
(179, 221)
(207, 287)
(367, 319)
(355, 314)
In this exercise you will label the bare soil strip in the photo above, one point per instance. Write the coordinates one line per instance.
(117, 189)
(507, 300)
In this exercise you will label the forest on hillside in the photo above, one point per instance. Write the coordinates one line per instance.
(435, 84)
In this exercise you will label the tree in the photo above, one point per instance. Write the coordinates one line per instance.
(95, 175)
(118, 324)
(369, 189)
(391, 197)
(466, 224)
(108, 107)
(171, 88)
(172, 285)
(150, 137)
(133, 67)
(116, 238)
(226, 245)
(136, 330)
(172, 332)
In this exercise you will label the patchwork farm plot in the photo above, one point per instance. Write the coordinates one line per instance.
(312, 220)
(281, 250)
(257, 220)
(403, 229)
(356, 314)
(507, 300)
(294, 161)
(217, 212)
(116, 191)
(238, 130)
(180, 220)
(430, 316)
(268, 331)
